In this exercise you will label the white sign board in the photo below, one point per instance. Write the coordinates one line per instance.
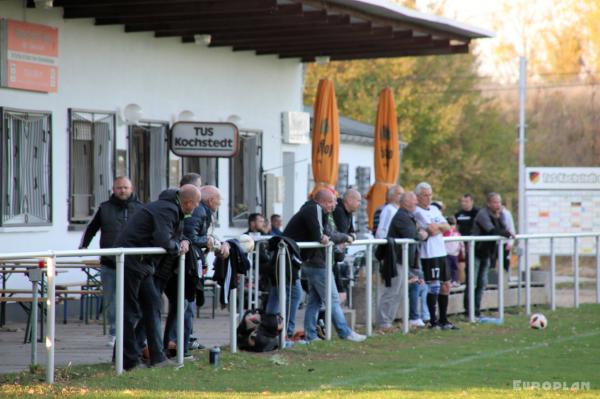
(562, 200)
(295, 127)
(204, 139)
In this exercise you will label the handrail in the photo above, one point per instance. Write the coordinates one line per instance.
(120, 253)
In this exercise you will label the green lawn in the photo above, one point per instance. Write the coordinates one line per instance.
(476, 361)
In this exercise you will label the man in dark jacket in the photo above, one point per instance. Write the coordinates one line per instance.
(155, 225)
(165, 282)
(402, 225)
(488, 222)
(310, 224)
(466, 216)
(344, 223)
(111, 218)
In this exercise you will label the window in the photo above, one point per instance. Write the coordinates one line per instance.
(26, 194)
(246, 179)
(148, 160)
(205, 167)
(92, 162)
(342, 181)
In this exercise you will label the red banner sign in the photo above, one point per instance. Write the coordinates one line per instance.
(29, 56)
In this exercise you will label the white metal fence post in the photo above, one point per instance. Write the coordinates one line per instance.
(527, 277)
(576, 272)
(180, 309)
(597, 269)
(34, 319)
(405, 310)
(242, 294)
(233, 320)
(552, 275)
(328, 290)
(119, 299)
(369, 289)
(50, 317)
(471, 281)
(501, 279)
(281, 279)
(256, 273)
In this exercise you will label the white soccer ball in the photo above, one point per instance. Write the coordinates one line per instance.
(538, 321)
(246, 242)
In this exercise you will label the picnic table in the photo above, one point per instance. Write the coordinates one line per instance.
(89, 291)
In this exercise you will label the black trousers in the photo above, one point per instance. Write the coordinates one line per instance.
(141, 305)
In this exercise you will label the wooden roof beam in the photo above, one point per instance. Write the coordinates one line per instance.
(250, 23)
(172, 8)
(312, 41)
(364, 54)
(303, 37)
(145, 23)
(357, 44)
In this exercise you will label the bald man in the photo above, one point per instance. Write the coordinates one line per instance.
(110, 218)
(310, 224)
(198, 228)
(155, 225)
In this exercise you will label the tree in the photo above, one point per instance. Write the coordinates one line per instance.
(457, 140)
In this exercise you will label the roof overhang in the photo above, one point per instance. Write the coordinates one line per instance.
(304, 29)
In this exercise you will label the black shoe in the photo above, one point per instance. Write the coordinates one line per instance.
(449, 326)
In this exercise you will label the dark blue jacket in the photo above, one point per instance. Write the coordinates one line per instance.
(157, 224)
(195, 227)
(110, 218)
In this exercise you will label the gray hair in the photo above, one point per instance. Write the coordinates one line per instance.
(422, 186)
(492, 195)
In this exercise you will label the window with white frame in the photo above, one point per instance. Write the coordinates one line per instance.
(26, 191)
(245, 183)
(92, 162)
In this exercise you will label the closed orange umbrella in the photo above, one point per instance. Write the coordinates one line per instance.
(387, 154)
(325, 137)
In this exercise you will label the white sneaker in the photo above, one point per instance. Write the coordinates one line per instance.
(356, 337)
(111, 341)
(416, 323)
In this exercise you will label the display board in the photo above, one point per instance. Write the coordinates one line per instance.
(562, 200)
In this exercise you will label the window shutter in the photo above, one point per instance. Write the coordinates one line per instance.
(103, 160)
(158, 161)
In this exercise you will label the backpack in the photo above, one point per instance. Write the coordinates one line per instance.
(258, 331)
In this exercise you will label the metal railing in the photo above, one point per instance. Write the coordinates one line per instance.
(51, 266)
(254, 277)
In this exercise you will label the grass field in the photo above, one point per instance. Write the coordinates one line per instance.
(477, 361)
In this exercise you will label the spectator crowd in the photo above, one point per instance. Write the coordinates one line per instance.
(182, 221)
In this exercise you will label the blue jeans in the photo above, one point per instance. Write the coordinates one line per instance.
(108, 277)
(171, 325)
(317, 280)
(416, 291)
(292, 302)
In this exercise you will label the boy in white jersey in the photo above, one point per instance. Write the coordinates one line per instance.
(433, 256)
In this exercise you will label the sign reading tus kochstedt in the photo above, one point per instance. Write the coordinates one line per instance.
(204, 139)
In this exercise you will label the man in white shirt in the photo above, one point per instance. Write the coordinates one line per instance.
(433, 256)
(389, 210)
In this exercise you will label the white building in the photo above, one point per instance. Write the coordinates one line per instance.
(233, 60)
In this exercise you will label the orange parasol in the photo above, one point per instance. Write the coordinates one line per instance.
(325, 137)
(387, 154)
